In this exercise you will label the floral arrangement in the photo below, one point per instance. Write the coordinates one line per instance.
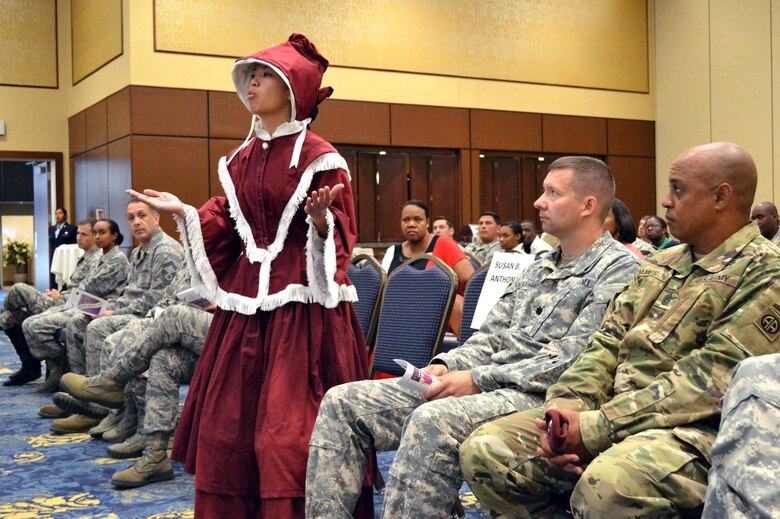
(17, 253)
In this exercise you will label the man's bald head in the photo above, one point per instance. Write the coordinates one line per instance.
(765, 215)
(725, 163)
(711, 188)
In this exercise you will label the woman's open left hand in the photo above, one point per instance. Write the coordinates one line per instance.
(317, 206)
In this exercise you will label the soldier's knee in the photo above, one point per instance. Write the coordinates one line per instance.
(177, 312)
(485, 451)
(606, 481)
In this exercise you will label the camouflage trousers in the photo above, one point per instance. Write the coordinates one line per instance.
(92, 349)
(23, 301)
(168, 347)
(425, 476)
(745, 474)
(39, 331)
(650, 474)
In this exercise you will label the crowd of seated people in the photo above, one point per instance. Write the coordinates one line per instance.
(141, 347)
(595, 385)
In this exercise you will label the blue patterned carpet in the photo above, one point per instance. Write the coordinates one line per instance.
(45, 475)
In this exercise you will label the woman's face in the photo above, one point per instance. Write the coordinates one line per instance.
(103, 236)
(610, 224)
(268, 94)
(414, 224)
(507, 238)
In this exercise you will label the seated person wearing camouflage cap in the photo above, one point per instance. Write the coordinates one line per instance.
(629, 427)
(534, 332)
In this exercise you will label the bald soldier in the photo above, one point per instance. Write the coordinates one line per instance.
(629, 427)
(765, 215)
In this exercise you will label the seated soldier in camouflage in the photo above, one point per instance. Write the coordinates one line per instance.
(153, 265)
(169, 348)
(24, 301)
(534, 332)
(106, 280)
(641, 403)
(744, 478)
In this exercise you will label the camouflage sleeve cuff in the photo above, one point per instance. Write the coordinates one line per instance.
(483, 378)
(594, 430)
(566, 403)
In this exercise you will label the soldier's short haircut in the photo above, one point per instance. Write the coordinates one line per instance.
(591, 177)
(449, 222)
(491, 214)
(91, 221)
(135, 200)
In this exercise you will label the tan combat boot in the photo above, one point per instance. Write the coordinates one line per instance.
(130, 448)
(100, 390)
(73, 424)
(154, 466)
(52, 411)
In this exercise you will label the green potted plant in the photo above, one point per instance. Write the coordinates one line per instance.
(17, 254)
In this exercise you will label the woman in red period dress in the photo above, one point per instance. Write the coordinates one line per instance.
(275, 262)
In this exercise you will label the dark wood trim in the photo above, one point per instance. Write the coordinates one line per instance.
(121, 52)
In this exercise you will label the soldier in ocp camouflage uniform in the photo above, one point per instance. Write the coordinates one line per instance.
(24, 301)
(533, 333)
(644, 398)
(745, 474)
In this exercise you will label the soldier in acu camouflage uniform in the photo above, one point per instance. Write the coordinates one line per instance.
(153, 264)
(533, 333)
(23, 301)
(107, 280)
(487, 237)
(745, 474)
(644, 398)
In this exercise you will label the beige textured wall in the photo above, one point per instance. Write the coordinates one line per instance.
(96, 28)
(28, 46)
(587, 43)
(716, 78)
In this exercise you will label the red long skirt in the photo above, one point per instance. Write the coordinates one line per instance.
(253, 400)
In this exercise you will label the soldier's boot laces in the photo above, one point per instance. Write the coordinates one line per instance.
(153, 467)
(100, 390)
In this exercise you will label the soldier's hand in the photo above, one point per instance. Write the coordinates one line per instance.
(107, 313)
(456, 383)
(575, 456)
(437, 370)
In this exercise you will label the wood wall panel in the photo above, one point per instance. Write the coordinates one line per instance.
(575, 135)
(178, 165)
(392, 195)
(443, 182)
(96, 181)
(118, 114)
(77, 133)
(120, 178)
(506, 131)
(354, 122)
(429, 126)
(228, 117)
(634, 138)
(418, 179)
(218, 148)
(80, 183)
(366, 199)
(168, 111)
(635, 184)
(97, 125)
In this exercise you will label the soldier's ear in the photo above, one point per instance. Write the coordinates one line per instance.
(723, 194)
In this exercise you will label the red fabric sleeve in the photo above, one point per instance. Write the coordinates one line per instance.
(220, 240)
(447, 250)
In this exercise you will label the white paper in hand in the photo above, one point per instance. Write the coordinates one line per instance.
(414, 378)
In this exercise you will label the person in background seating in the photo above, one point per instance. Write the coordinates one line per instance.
(620, 226)
(657, 233)
(533, 244)
(765, 215)
(443, 226)
(510, 236)
(61, 233)
(487, 237)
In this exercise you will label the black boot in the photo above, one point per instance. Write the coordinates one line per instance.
(31, 367)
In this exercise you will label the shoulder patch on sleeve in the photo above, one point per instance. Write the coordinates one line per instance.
(769, 322)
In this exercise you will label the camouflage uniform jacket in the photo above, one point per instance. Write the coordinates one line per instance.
(108, 277)
(151, 270)
(669, 344)
(482, 251)
(180, 283)
(84, 266)
(543, 320)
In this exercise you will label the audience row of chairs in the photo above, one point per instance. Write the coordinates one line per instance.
(405, 315)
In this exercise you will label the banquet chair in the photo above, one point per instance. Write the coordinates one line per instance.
(369, 280)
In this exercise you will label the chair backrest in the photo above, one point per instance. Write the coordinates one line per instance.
(474, 261)
(369, 280)
(470, 299)
(416, 306)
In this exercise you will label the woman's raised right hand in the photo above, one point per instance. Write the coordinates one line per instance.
(160, 200)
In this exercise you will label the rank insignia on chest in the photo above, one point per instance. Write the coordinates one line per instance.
(769, 323)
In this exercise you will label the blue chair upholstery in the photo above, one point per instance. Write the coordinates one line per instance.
(369, 280)
(474, 261)
(416, 307)
(470, 299)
